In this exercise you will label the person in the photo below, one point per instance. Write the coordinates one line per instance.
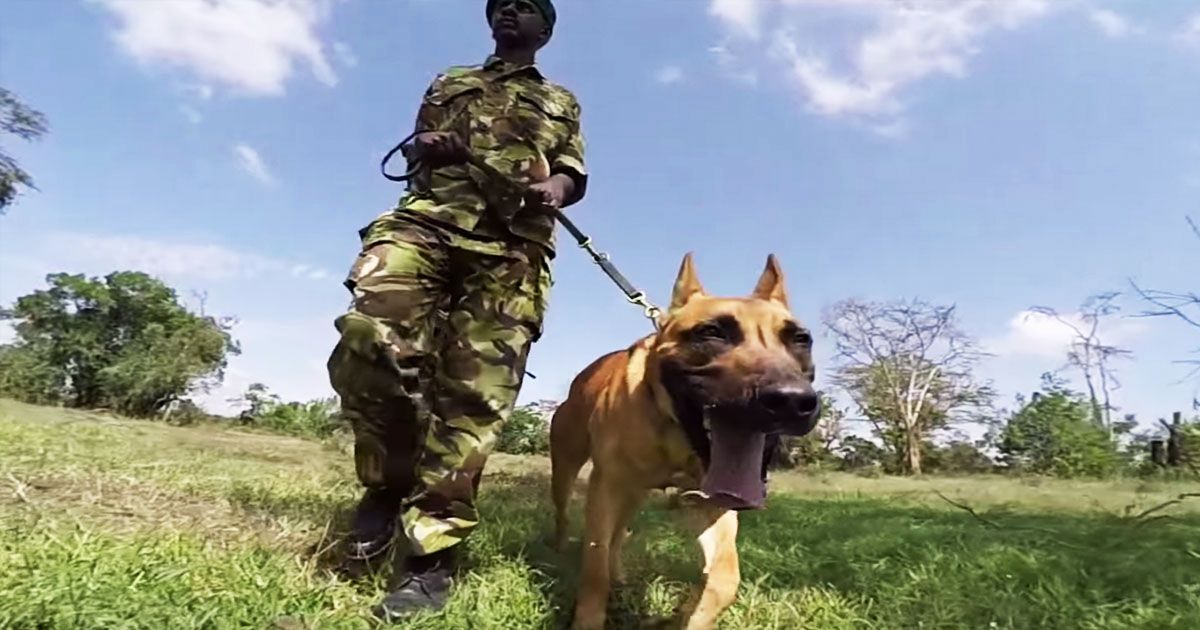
(449, 292)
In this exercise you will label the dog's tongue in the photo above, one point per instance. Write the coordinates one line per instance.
(734, 477)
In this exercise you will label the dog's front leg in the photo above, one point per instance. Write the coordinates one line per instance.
(717, 529)
(603, 512)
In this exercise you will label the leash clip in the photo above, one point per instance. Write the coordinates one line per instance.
(651, 311)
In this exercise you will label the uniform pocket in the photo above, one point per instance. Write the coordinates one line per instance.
(543, 123)
(541, 281)
(452, 99)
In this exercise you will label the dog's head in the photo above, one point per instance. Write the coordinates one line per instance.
(738, 372)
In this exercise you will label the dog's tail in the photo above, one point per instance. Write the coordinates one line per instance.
(570, 448)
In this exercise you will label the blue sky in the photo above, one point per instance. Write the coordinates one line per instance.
(995, 155)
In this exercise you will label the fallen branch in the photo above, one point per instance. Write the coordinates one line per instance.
(969, 510)
(1162, 506)
(994, 525)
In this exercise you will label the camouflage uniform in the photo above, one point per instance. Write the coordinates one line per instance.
(449, 292)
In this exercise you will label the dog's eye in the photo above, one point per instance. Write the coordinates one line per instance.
(799, 337)
(709, 332)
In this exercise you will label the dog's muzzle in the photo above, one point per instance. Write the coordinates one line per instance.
(737, 438)
(787, 410)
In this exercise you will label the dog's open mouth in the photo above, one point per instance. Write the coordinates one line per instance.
(734, 477)
(737, 437)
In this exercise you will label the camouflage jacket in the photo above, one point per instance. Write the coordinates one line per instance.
(519, 123)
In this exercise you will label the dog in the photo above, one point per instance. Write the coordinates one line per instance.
(698, 406)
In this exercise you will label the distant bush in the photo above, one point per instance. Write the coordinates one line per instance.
(526, 432)
(188, 413)
(957, 458)
(316, 418)
(858, 454)
(313, 419)
(1054, 435)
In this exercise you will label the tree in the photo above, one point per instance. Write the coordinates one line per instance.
(255, 401)
(19, 120)
(1091, 356)
(909, 369)
(1184, 305)
(122, 342)
(1055, 434)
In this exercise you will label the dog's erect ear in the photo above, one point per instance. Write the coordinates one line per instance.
(687, 285)
(770, 284)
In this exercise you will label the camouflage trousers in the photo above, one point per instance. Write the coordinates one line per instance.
(430, 360)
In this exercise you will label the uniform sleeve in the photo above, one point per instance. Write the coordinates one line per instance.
(429, 116)
(570, 158)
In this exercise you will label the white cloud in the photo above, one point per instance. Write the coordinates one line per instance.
(175, 259)
(191, 114)
(1032, 334)
(249, 46)
(732, 66)
(883, 47)
(345, 54)
(1189, 34)
(1111, 23)
(198, 90)
(307, 271)
(251, 162)
(740, 15)
(668, 75)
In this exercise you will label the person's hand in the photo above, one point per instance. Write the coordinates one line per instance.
(440, 148)
(548, 195)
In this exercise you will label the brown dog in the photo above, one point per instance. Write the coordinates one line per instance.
(697, 406)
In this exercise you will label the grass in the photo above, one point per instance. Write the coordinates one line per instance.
(110, 523)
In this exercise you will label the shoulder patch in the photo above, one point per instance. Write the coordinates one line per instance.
(461, 71)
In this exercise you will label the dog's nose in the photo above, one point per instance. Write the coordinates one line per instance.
(790, 399)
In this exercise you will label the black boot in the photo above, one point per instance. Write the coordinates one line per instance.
(425, 586)
(374, 524)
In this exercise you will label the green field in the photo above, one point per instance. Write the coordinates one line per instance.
(108, 523)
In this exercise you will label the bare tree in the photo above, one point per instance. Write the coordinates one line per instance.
(1169, 303)
(17, 119)
(1184, 306)
(1090, 355)
(909, 369)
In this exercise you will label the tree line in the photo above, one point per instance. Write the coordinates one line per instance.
(126, 342)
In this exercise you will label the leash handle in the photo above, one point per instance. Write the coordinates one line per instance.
(414, 165)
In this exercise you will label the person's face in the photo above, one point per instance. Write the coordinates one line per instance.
(518, 22)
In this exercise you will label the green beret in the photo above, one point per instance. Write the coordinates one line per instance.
(545, 6)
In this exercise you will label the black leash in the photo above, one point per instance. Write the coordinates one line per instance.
(602, 259)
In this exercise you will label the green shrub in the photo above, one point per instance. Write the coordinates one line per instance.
(1054, 435)
(526, 432)
(187, 413)
(316, 418)
(313, 419)
(956, 458)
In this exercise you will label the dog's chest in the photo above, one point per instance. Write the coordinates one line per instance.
(681, 466)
